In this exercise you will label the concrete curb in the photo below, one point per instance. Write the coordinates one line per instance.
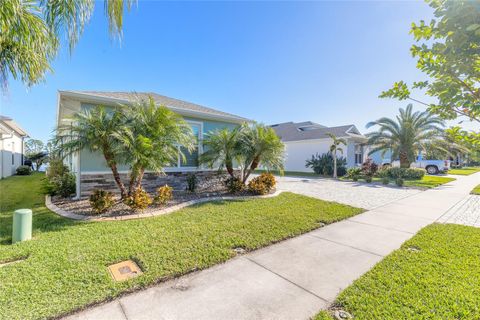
(70, 215)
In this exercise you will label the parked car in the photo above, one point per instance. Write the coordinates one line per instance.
(431, 166)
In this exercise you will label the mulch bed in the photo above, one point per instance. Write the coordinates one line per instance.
(82, 206)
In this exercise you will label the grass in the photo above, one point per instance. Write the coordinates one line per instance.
(476, 190)
(464, 171)
(426, 182)
(66, 265)
(441, 281)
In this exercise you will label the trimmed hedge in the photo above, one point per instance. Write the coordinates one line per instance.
(404, 173)
(24, 171)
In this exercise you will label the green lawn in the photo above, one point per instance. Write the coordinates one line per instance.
(426, 182)
(441, 281)
(464, 171)
(476, 190)
(66, 265)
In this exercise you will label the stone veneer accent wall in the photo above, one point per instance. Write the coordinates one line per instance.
(207, 180)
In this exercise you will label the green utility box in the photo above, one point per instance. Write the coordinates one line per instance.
(22, 225)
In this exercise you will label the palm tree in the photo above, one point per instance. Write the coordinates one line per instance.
(221, 149)
(406, 135)
(334, 148)
(259, 145)
(95, 130)
(152, 139)
(30, 33)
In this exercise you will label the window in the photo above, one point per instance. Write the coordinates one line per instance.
(191, 158)
(358, 154)
(13, 153)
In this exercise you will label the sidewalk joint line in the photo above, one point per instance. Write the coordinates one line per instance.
(386, 228)
(288, 280)
(123, 310)
(346, 245)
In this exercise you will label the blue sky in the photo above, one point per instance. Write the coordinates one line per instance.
(269, 61)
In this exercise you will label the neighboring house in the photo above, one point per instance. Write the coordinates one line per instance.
(12, 146)
(304, 139)
(90, 168)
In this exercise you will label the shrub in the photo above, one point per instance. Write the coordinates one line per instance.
(192, 181)
(234, 185)
(138, 200)
(399, 182)
(323, 164)
(24, 171)
(164, 194)
(101, 200)
(369, 168)
(64, 185)
(354, 173)
(56, 168)
(404, 173)
(262, 184)
(385, 180)
(383, 172)
(368, 179)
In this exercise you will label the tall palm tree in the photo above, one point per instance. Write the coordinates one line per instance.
(30, 33)
(152, 139)
(334, 148)
(95, 130)
(221, 149)
(259, 145)
(406, 135)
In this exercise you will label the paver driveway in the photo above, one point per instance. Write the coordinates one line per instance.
(361, 195)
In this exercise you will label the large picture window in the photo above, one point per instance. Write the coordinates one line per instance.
(191, 158)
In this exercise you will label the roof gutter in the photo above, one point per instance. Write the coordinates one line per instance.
(95, 99)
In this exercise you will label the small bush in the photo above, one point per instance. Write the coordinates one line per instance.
(234, 185)
(368, 179)
(385, 180)
(64, 185)
(138, 200)
(369, 168)
(164, 194)
(101, 200)
(56, 168)
(24, 171)
(404, 173)
(354, 173)
(399, 182)
(262, 184)
(192, 181)
(323, 164)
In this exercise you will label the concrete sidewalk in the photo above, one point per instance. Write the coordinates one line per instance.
(293, 279)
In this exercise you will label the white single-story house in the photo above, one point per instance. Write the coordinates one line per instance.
(304, 139)
(12, 146)
(90, 168)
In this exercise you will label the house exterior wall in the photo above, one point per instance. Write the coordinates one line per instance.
(298, 152)
(11, 157)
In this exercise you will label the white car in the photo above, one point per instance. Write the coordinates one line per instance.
(431, 166)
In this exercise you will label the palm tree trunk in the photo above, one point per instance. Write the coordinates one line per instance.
(252, 168)
(229, 166)
(116, 176)
(138, 184)
(133, 179)
(404, 162)
(335, 164)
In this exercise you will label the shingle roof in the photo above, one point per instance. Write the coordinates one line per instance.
(290, 131)
(161, 100)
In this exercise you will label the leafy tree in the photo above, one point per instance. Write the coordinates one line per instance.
(38, 158)
(95, 130)
(259, 145)
(334, 148)
(30, 32)
(34, 146)
(406, 135)
(151, 139)
(221, 149)
(323, 164)
(448, 51)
